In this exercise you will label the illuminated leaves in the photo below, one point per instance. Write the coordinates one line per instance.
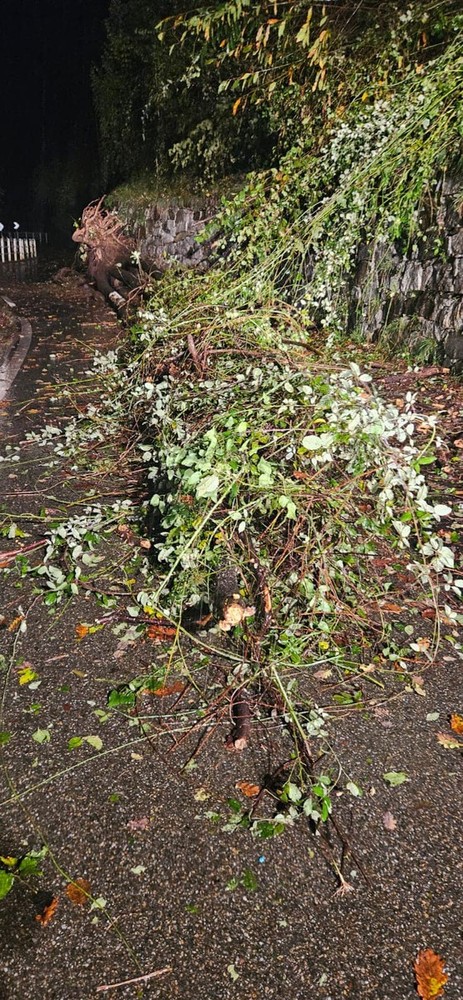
(430, 975)
(41, 736)
(421, 645)
(78, 891)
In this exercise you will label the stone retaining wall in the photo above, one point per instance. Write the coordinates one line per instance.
(411, 297)
(171, 231)
(416, 297)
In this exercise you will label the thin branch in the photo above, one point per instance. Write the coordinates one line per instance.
(138, 979)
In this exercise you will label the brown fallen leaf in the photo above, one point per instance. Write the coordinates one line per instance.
(449, 742)
(248, 789)
(417, 685)
(82, 631)
(78, 891)
(161, 692)
(456, 723)
(429, 613)
(137, 825)
(159, 632)
(389, 822)
(389, 607)
(421, 644)
(267, 600)
(430, 975)
(15, 623)
(48, 907)
(430, 371)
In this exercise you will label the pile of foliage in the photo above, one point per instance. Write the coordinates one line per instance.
(267, 448)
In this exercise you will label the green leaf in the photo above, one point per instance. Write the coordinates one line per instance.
(208, 486)
(6, 883)
(311, 442)
(4, 738)
(41, 736)
(249, 880)
(94, 741)
(234, 805)
(74, 742)
(394, 778)
(354, 789)
(122, 697)
(293, 792)
(30, 865)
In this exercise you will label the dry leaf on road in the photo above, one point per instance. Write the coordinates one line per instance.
(389, 821)
(160, 632)
(390, 607)
(449, 742)
(430, 975)
(78, 891)
(456, 723)
(248, 789)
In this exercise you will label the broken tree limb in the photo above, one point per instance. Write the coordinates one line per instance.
(230, 608)
(241, 716)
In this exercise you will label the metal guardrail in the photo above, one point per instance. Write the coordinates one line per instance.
(15, 247)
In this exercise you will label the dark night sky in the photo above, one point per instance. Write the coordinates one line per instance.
(47, 48)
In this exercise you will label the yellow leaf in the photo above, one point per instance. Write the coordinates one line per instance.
(201, 795)
(236, 105)
(26, 674)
